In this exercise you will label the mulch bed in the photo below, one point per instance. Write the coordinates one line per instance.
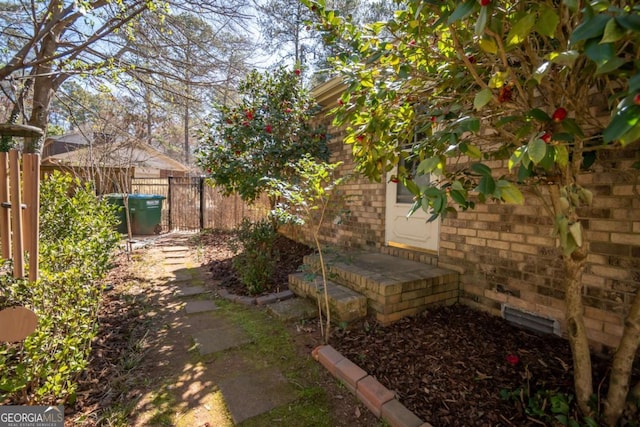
(219, 261)
(451, 366)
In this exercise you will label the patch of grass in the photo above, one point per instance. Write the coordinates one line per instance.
(310, 409)
(117, 415)
(272, 346)
(164, 403)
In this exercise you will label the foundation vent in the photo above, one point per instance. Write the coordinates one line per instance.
(531, 321)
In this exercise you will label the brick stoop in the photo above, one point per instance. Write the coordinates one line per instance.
(376, 397)
(345, 304)
(394, 287)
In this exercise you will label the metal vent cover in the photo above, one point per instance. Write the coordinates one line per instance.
(531, 321)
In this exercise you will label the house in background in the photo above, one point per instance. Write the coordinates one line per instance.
(505, 256)
(109, 162)
(64, 143)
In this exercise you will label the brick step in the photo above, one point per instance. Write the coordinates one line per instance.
(345, 304)
(394, 287)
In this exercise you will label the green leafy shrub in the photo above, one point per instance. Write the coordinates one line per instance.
(268, 127)
(550, 407)
(77, 237)
(255, 258)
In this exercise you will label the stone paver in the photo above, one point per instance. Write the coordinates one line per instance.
(200, 306)
(255, 393)
(222, 338)
(190, 291)
(272, 298)
(293, 309)
(171, 249)
(183, 274)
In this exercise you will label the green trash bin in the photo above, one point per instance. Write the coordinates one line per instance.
(146, 213)
(118, 200)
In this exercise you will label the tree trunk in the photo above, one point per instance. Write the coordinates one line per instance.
(187, 148)
(622, 365)
(576, 330)
(43, 90)
(582, 375)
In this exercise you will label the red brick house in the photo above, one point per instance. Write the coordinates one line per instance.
(504, 254)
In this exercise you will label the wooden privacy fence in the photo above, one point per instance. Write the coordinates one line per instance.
(192, 205)
(19, 203)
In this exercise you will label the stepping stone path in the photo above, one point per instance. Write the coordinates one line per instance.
(200, 306)
(246, 393)
(190, 291)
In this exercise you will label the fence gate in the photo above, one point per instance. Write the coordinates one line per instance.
(191, 205)
(185, 203)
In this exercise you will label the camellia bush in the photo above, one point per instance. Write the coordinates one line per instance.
(256, 140)
(259, 136)
(457, 86)
(77, 240)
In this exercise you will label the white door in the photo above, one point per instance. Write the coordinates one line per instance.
(413, 232)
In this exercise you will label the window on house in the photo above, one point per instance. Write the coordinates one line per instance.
(403, 195)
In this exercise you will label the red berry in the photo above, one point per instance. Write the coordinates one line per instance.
(485, 2)
(559, 115)
(340, 102)
(360, 138)
(471, 58)
(505, 94)
(636, 99)
(434, 119)
(249, 114)
(512, 359)
(297, 71)
(546, 137)
(394, 179)
(412, 43)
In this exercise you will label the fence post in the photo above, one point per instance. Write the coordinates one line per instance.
(16, 214)
(170, 179)
(5, 223)
(202, 207)
(31, 178)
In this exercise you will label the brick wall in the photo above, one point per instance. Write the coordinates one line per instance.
(357, 218)
(506, 253)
